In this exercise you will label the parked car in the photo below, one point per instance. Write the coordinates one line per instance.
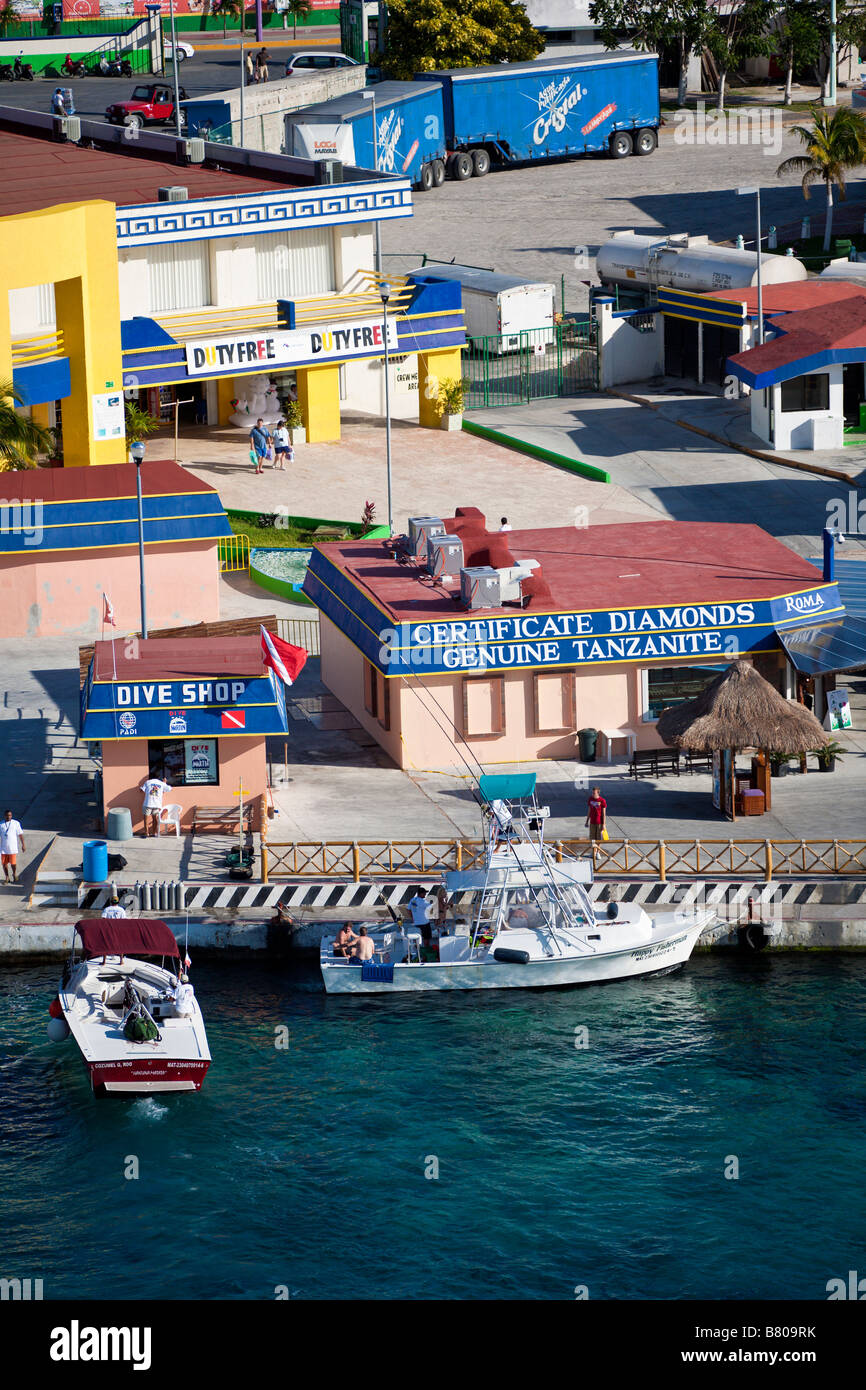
(184, 51)
(151, 103)
(317, 62)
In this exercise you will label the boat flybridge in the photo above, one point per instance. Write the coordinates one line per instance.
(520, 920)
(139, 1027)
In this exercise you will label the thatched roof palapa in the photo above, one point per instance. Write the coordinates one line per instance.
(739, 709)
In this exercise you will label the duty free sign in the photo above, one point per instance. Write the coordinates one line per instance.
(286, 348)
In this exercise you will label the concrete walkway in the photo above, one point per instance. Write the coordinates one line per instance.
(672, 470)
(433, 471)
(728, 422)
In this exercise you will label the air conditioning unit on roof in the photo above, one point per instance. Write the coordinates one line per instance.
(174, 193)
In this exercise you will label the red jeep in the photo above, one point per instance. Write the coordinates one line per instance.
(151, 104)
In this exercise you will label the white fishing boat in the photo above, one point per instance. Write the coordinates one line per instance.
(138, 1026)
(523, 919)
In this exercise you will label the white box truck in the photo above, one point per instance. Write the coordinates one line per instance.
(502, 306)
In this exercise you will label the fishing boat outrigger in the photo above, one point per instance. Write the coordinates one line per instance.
(522, 919)
(138, 1026)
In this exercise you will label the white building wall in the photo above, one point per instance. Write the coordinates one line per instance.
(133, 282)
(624, 353)
(810, 429)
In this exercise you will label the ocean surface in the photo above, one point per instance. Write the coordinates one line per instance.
(305, 1168)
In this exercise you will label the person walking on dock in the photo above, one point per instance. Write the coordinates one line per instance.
(154, 790)
(596, 815)
(11, 836)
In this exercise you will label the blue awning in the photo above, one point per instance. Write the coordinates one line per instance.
(819, 651)
(507, 786)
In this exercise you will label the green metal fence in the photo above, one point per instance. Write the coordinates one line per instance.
(536, 364)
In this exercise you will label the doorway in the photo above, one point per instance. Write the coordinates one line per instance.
(852, 392)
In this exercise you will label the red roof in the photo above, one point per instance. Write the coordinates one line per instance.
(175, 658)
(638, 565)
(159, 478)
(799, 294)
(41, 173)
(808, 333)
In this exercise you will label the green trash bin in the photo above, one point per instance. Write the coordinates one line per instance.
(587, 738)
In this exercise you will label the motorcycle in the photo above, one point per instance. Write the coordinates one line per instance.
(74, 68)
(113, 67)
(16, 72)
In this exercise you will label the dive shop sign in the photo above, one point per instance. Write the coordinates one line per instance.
(265, 350)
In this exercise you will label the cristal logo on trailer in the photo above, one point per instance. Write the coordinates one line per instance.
(555, 101)
(388, 134)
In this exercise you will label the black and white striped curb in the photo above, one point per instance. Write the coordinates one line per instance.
(727, 896)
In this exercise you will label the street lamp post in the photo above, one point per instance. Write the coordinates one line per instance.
(174, 65)
(371, 96)
(136, 451)
(757, 193)
(243, 77)
(830, 98)
(385, 292)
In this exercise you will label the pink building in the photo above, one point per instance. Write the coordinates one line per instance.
(457, 638)
(192, 711)
(69, 535)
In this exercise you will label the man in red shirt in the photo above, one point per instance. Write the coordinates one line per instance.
(596, 814)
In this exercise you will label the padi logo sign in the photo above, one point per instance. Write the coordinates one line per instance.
(555, 102)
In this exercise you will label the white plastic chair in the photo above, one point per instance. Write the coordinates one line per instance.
(170, 815)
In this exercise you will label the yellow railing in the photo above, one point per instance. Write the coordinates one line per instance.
(234, 553)
(36, 347)
(656, 859)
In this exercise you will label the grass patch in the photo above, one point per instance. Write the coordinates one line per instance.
(811, 249)
(283, 537)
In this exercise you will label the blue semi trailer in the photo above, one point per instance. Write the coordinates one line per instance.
(514, 112)
(409, 130)
(461, 122)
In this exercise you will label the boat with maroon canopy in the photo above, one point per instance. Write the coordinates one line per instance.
(137, 1023)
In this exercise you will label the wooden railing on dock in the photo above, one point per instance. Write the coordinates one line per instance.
(656, 859)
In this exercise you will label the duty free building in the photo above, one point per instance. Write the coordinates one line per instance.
(133, 257)
(613, 624)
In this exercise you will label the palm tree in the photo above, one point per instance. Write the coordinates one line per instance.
(835, 143)
(297, 9)
(228, 9)
(21, 439)
(8, 15)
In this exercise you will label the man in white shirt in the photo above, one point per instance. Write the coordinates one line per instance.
(184, 996)
(418, 908)
(154, 790)
(504, 524)
(11, 836)
(113, 909)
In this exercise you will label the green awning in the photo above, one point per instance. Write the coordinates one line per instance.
(507, 786)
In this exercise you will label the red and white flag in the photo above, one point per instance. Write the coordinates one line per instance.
(107, 611)
(282, 657)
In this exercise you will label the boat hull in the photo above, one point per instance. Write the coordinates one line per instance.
(653, 957)
(146, 1077)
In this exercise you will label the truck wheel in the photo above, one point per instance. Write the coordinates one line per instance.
(645, 141)
(438, 167)
(133, 120)
(481, 163)
(461, 167)
(425, 178)
(620, 144)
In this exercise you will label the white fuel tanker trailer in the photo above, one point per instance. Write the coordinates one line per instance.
(643, 263)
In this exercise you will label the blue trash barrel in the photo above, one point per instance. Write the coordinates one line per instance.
(95, 861)
(118, 823)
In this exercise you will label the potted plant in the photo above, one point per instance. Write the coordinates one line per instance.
(779, 764)
(449, 403)
(294, 422)
(827, 755)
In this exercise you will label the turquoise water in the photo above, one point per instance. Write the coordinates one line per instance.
(558, 1166)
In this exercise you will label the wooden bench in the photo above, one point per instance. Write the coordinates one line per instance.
(651, 762)
(699, 762)
(222, 818)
